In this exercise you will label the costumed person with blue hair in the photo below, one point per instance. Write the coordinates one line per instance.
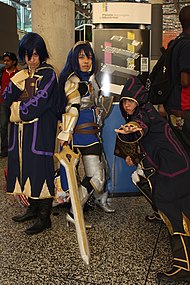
(32, 96)
(164, 165)
(82, 132)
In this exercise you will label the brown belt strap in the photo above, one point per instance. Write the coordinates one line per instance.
(80, 128)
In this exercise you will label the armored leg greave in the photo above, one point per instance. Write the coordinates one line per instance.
(95, 174)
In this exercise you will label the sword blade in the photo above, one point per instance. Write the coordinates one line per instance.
(69, 160)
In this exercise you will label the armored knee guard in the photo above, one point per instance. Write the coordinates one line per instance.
(94, 170)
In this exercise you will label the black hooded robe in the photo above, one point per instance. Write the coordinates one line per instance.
(164, 153)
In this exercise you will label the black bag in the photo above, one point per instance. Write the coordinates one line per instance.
(1, 74)
(158, 84)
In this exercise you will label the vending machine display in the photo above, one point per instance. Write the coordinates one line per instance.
(120, 53)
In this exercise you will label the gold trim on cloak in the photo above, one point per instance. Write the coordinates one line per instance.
(167, 222)
(186, 224)
(17, 189)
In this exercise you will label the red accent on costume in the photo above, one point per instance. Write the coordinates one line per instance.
(185, 98)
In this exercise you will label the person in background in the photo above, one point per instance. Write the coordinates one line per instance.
(32, 97)
(165, 165)
(178, 104)
(6, 72)
(83, 131)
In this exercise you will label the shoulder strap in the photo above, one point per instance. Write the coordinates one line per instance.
(171, 47)
(172, 44)
(179, 39)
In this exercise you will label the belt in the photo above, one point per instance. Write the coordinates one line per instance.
(79, 129)
(25, 122)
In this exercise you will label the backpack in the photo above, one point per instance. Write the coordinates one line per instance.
(1, 74)
(158, 84)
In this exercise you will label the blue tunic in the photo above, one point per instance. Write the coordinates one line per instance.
(86, 115)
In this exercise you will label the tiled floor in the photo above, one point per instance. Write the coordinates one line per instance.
(125, 249)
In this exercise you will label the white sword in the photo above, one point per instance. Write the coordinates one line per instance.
(69, 160)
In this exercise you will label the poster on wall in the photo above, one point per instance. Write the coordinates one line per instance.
(121, 12)
(120, 53)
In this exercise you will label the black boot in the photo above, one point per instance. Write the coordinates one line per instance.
(31, 212)
(43, 222)
(145, 188)
(181, 260)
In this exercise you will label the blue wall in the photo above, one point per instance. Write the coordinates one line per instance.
(120, 174)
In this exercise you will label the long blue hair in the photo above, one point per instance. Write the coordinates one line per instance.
(72, 65)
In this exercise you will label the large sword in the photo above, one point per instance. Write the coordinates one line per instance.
(69, 160)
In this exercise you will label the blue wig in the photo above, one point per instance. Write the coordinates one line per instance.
(72, 63)
(30, 42)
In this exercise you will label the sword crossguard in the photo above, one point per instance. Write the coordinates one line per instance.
(69, 156)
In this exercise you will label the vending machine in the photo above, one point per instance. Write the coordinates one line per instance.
(121, 41)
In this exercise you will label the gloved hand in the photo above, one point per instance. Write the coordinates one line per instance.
(82, 88)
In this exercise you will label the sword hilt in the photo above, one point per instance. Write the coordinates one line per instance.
(69, 156)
